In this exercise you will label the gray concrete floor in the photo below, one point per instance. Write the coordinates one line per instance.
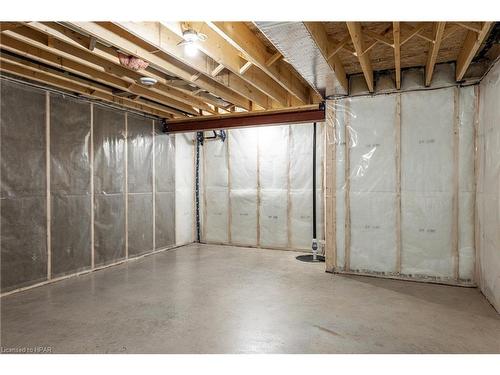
(221, 299)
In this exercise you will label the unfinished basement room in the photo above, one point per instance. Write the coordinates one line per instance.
(250, 187)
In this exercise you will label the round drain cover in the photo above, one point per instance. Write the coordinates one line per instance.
(309, 258)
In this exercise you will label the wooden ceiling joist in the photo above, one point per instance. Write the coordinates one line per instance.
(221, 51)
(27, 41)
(356, 33)
(63, 82)
(6, 26)
(246, 41)
(438, 31)
(121, 35)
(90, 85)
(101, 76)
(72, 46)
(180, 84)
(168, 66)
(236, 68)
(469, 49)
(318, 33)
(397, 52)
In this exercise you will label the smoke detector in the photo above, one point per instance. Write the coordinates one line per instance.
(147, 81)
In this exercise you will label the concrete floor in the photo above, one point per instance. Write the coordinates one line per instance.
(221, 299)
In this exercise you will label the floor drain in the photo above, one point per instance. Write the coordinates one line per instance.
(309, 258)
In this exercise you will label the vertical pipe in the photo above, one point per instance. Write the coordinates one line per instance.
(347, 188)
(48, 192)
(126, 185)
(314, 241)
(153, 175)
(398, 184)
(199, 137)
(92, 193)
(477, 243)
(330, 178)
(258, 187)
(456, 177)
(229, 201)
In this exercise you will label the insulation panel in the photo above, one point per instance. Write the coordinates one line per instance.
(23, 187)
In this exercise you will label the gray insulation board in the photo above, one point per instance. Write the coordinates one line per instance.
(23, 187)
(164, 188)
(140, 223)
(70, 184)
(140, 184)
(109, 185)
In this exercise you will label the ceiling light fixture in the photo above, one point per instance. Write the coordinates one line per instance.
(191, 49)
(190, 35)
(190, 41)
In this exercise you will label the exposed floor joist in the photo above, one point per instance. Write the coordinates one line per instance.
(397, 52)
(237, 67)
(356, 33)
(32, 43)
(438, 31)
(121, 36)
(228, 56)
(242, 38)
(469, 49)
(318, 33)
(67, 83)
(73, 46)
(75, 67)
(205, 81)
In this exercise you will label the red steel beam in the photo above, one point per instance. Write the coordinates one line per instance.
(247, 119)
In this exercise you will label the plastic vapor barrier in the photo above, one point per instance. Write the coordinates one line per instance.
(404, 184)
(164, 188)
(110, 179)
(140, 185)
(243, 145)
(488, 188)
(70, 186)
(109, 185)
(257, 187)
(215, 192)
(184, 188)
(23, 188)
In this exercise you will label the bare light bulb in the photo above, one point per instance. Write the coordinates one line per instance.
(191, 49)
